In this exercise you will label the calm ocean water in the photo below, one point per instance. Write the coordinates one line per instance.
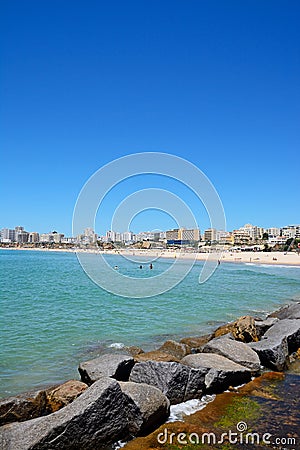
(53, 316)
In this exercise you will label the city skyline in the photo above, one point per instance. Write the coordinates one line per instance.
(291, 230)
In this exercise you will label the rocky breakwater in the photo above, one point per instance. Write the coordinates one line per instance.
(122, 396)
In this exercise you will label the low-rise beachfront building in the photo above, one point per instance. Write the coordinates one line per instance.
(273, 231)
(291, 231)
(276, 240)
(241, 237)
(225, 238)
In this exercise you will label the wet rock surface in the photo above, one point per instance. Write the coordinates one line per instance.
(265, 405)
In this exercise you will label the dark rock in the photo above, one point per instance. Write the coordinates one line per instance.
(273, 353)
(221, 372)
(176, 349)
(291, 311)
(152, 403)
(195, 343)
(263, 325)
(155, 355)
(64, 394)
(110, 365)
(236, 351)
(178, 382)
(23, 407)
(97, 418)
(282, 339)
(287, 328)
(242, 329)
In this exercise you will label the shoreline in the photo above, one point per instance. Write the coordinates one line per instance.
(253, 258)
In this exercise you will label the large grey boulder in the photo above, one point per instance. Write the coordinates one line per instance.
(263, 325)
(287, 328)
(291, 311)
(152, 403)
(100, 416)
(110, 365)
(221, 372)
(272, 353)
(277, 343)
(178, 382)
(236, 351)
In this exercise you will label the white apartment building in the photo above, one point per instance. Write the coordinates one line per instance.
(33, 237)
(110, 236)
(22, 237)
(273, 231)
(291, 231)
(8, 235)
(47, 238)
(127, 236)
(253, 231)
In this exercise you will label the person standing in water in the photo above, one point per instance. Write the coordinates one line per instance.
(151, 266)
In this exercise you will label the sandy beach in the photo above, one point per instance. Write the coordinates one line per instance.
(275, 258)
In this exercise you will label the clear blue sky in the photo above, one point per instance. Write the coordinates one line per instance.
(85, 82)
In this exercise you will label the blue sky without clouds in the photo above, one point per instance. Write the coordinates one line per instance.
(215, 82)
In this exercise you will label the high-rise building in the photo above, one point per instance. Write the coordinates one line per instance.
(210, 235)
(127, 236)
(22, 237)
(172, 235)
(110, 236)
(192, 235)
(8, 235)
(33, 237)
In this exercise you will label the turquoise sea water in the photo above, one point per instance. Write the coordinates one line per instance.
(53, 316)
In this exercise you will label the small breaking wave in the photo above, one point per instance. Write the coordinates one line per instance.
(117, 345)
(177, 412)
